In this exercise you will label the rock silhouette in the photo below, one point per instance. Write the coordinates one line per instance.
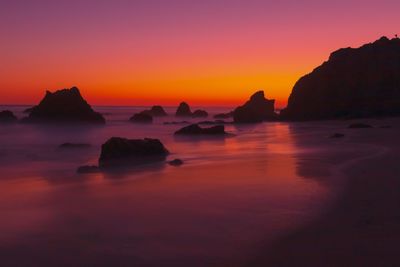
(156, 111)
(66, 105)
(257, 109)
(183, 110)
(131, 152)
(175, 162)
(7, 116)
(195, 129)
(354, 82)
(142, 117)
(200, 114)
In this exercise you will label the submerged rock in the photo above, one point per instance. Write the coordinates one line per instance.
(88, 169)
(74, 145)
(354, 82)
(141, 118)
(183, 110)
(195, 129)
(175, 122)
(64, 106)
(359, 126)
(130, 152)
(176, 162)
(200, 114)
(337, 135)
(257, 109)
(6, 116)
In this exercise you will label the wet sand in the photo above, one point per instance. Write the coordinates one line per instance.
(362, 227)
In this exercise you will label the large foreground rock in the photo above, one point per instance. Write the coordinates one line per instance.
(62, 106)
(130, 152)
(359, 82)
(7, 116)
(257, 109)
(195, 129)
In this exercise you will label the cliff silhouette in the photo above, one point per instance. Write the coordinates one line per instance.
(353, 83)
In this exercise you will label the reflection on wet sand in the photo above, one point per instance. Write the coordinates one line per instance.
(229, 195)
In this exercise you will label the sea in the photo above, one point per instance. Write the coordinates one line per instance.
(230, 195)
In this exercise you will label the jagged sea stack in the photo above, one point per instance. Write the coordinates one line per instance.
(257, 109)
(354, 82)
(64, 106)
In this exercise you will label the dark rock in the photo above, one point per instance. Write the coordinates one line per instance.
(74, 145)
(176, 162)
(158, 111)
(212, 122)
(337, 135)
(141, 118)
(63, 106)
(195, 129)
(7, 116)
(360, 82)
(88, 169)
(183, 110)
(131, 152)
(224, 115)
(200, 114)
(359, 126)
(257, 109)
(176, 122)
(155, 111)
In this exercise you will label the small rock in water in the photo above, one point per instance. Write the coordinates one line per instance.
(337, 135)
(200, 114)
(176, 162)
(142, 117)
(195, 129)
(7, 116)
(183, 110)
(88, 169)
(359, 126)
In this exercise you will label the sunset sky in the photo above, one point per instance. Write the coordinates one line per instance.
(207, 52)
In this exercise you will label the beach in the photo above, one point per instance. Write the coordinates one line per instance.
(361, 228)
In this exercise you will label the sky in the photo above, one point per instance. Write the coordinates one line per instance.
(205, 52)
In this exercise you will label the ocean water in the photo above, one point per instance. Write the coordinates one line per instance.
(231, 194)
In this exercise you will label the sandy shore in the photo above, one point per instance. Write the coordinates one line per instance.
(363, 226)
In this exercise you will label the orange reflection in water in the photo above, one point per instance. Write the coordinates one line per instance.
(229, 195)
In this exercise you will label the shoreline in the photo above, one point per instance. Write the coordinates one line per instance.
(361, 227)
